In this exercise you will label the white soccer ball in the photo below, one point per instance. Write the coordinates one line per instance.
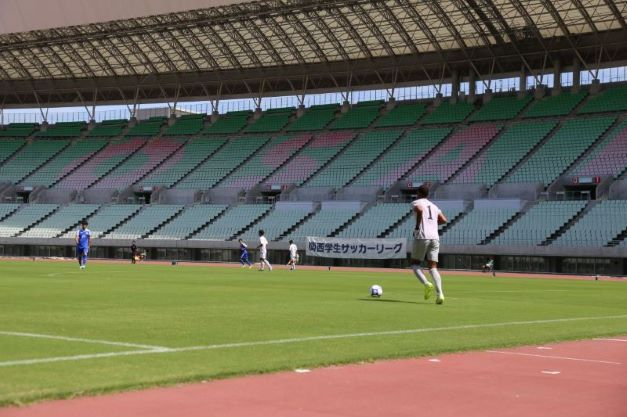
(376, 291)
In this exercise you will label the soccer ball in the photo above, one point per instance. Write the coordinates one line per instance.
(376, 291)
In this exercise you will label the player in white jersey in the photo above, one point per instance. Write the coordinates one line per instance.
(263, 252)
(426, 244)
(293, 256)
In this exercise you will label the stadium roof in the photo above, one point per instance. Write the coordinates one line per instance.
(288, 46)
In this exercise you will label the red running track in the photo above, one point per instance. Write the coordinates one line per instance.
(574, 379)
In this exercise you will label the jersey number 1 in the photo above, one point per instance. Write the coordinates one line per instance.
(430, 216)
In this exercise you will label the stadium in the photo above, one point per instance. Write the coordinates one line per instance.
(186, 129)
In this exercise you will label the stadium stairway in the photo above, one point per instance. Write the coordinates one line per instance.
(340, 140)
(570, 223)
(31, 157)
(620, 239)
(28, 215)
(346, 225)
(378, 157)
(7, 209)
(508, 223)
(563, 126)
(599, 142)
(296, 225)
(465, 135)
(96, 161)
(226, 148)
(164, 222)
(145, 160)
(160, 175)
(270, 152)
(10, 147)
(409, 165)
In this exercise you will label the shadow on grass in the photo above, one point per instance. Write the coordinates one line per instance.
(387, 300)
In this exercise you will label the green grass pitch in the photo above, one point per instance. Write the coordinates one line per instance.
(196, 323)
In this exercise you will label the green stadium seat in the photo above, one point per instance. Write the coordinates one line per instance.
(271, 121)
(551, 106)
(314, 118)
(359, 154)
(106, 218)
(500, 108)
(145, 221)
(26, 216)
(64, 162)
(222, 163)
(359, 116)
(188, 221)
(613, 99)
(61, 220)
(278, 150)
(277, 222)
(18, 130)
(232, 222)
(561, 150)
(186, 125)
(229, 123)
(183, 161)
(404, 114)
(539, 223)
(504, 153)
(63, 130)
(598, 227)
(402, 156)
(447, 113)
(29, 158)
(375, 221)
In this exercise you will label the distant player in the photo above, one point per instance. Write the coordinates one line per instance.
(134, 255)
(263, 252)
(83, 242)
(243, 254)
(293, 256)
(426, 244)
(489, 266)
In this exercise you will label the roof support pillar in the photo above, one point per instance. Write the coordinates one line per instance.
(301, 98)
(576, 75)
(557, 77)
(472, 86)
(523, 82)
(454, 86)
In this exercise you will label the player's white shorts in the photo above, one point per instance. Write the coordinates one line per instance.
(263, 253)
(429, 248)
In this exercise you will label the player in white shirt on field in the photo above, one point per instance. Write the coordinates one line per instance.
(426, 244)
(293, 256)
(263, 252)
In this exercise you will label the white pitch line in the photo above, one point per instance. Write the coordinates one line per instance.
(156, 349)
(567, 358)
(81, 340)
(611, 340)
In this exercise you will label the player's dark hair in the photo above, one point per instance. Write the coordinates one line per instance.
(239, 240)
(261, 233)
(84, 222)
(291, 241)
(423, 191)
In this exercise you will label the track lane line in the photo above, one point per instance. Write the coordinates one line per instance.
(567, 358)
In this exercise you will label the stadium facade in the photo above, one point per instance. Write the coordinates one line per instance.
(535, 176)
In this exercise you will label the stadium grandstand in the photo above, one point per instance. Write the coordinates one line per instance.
(187, 126)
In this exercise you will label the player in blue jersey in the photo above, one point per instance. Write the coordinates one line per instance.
(83, 241)
(243, 258)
